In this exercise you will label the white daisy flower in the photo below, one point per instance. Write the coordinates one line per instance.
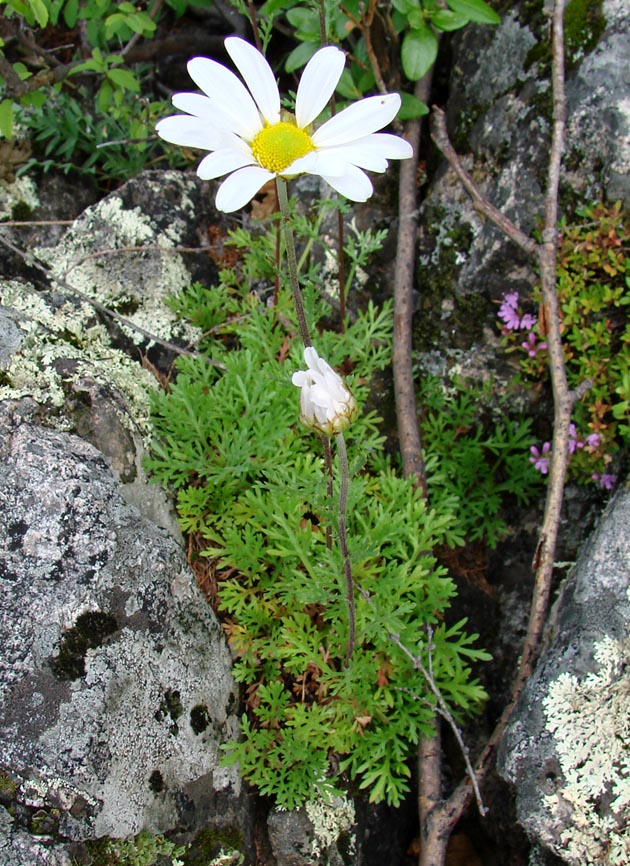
(251, 141)
(326, 403)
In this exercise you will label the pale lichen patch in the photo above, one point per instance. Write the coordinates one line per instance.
(590, 722)
(69, 332)
(116, 256)
(21, 191)
(330, 819)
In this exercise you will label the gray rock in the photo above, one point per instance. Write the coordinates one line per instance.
(566, 748)
(598, 112)
(321, 834)
(115, 684)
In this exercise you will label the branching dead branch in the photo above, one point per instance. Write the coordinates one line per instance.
(439, 819)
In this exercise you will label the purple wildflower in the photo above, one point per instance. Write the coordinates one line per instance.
(541, 458)
(508, 312)
(574, 440)
(592, 440)
(528, 321)
(606, 482)
(531, 346)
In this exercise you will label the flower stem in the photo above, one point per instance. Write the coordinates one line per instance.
(343, 543)
(289, 243)
(329, 483)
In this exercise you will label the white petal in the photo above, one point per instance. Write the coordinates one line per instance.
(370, 152)
(300, 378)
(240, 187)
(222, 162)
(303, 165)
(189, 131)
(193, 103)
(317, 84)
(358, 120)
(229, 93)
(258, 76)
(354, 184)
(334, 161)
(311, 357)
(385, 145)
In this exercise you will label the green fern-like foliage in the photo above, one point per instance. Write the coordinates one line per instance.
(253, 485)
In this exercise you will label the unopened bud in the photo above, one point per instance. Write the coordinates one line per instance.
(326, 403)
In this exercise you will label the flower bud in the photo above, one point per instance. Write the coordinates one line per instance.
(326, 404)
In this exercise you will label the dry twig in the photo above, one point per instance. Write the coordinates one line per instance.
(443, 818)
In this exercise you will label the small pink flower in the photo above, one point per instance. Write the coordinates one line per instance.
(606, 482)
(531, 346)
(528, 321)
(508, 312)
(592, 440)
(541, 458)
(574, 440)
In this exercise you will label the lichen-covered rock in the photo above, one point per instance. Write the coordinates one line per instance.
(80, 369)
(321, 834)
(115, 683)
(567, 746)
(139, 245)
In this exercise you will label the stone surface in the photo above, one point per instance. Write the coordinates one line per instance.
(566, 747)
(321, 834)
(499, 112)
(115, 684)
(81, 369)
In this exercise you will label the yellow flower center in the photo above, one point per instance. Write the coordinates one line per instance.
(276, 147)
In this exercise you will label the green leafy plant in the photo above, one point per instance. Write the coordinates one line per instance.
(67, 137)
(414, 25)
(109, 28)
(594, 297)
(145, 849)
(474, 455)
(252, 486)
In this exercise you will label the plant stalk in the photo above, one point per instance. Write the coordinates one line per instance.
(343, 542)
(289, 243)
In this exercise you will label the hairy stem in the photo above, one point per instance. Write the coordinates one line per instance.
(289, 243)
(343, 542)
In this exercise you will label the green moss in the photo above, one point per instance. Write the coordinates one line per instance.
(171, 707)
(45, 822)
(437, 280)
(210, 842)
(584, 23)
(199, 718)
(8, 787)
(89, 631)
(21, 210)
(466, 119)
(142, 850)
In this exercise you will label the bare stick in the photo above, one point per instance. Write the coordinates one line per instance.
(562, 398)
(440, 137)
(404, 387)
(445, 819)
